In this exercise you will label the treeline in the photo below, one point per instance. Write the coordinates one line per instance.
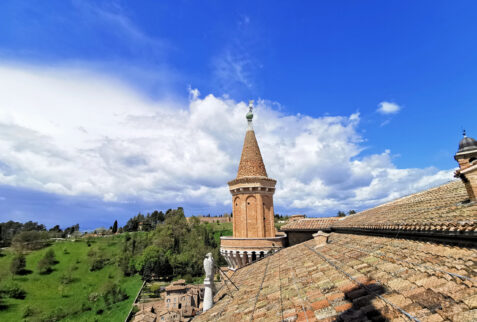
(148, 222)
(13, 232)
(176, 247)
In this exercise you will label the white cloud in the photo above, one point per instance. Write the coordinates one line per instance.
(388, 108)
(77, 133)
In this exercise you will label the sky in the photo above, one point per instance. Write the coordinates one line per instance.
(110, 108)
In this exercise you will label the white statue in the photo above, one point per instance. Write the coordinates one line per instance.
(209, 266)
(209, 269)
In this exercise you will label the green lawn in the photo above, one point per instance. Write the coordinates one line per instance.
(45, 294)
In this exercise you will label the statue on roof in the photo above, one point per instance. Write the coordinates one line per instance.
(209, 288)
(209, 266)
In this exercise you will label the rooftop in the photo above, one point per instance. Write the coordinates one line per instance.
(444, 209)
(313, 224)
(351, 278)
(358, 275)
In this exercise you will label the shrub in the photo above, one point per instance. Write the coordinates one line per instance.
(14, 291)
(45, 264)
(17, 293)
(156, 289)
(93, 297)
(66, 278)
(97, 264)
(50, 256)
(113, 293)
(28, 311)
(18, 264)
(30, 240)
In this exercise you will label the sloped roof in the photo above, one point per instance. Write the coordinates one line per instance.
(441, 209)
(352, 278)
(251, 162)
(312, 224)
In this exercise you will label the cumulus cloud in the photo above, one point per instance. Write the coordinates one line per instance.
(73, 132)
(388, 108)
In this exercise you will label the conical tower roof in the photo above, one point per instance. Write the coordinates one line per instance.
(251, 162)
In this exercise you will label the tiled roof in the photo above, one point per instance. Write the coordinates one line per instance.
(251, 162)
(354, 277)
(442, 209)
(309, 224)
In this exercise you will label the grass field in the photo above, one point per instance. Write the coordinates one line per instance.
(47, 298)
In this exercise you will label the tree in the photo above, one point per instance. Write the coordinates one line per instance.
(351, 212)
(55, 229)
(45, 265)
(341, 214)
(115, 227)
(153, 261)
(18, 264)
(33, 226)
(30, 240)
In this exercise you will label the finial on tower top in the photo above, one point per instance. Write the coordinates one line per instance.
(463, 132)
(249, 115)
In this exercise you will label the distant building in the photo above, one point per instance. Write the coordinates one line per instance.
(214, 219)
(181, 303)
(183, 298)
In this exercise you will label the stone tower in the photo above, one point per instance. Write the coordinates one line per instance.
(252, 192)
(466, 156)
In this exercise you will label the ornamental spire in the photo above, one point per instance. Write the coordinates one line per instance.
(249, 115)
(251, 162)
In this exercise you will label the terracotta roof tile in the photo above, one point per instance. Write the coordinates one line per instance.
(251, 162)
(325, 281)
(443, 209)
(314, 224)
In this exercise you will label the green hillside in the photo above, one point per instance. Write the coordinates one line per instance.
(71, 292)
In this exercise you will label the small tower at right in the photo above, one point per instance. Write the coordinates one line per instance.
(466, 156)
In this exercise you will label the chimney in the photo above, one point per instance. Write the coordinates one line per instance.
(466, 156)
(321, 238)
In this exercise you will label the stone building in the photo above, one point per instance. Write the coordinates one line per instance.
(181, 303)
(411, 259)
(182, 298)
(254, 234)
(213, 219)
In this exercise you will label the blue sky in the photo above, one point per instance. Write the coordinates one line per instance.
(392, 83)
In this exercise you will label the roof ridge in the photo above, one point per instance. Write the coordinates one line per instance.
(420, 192)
